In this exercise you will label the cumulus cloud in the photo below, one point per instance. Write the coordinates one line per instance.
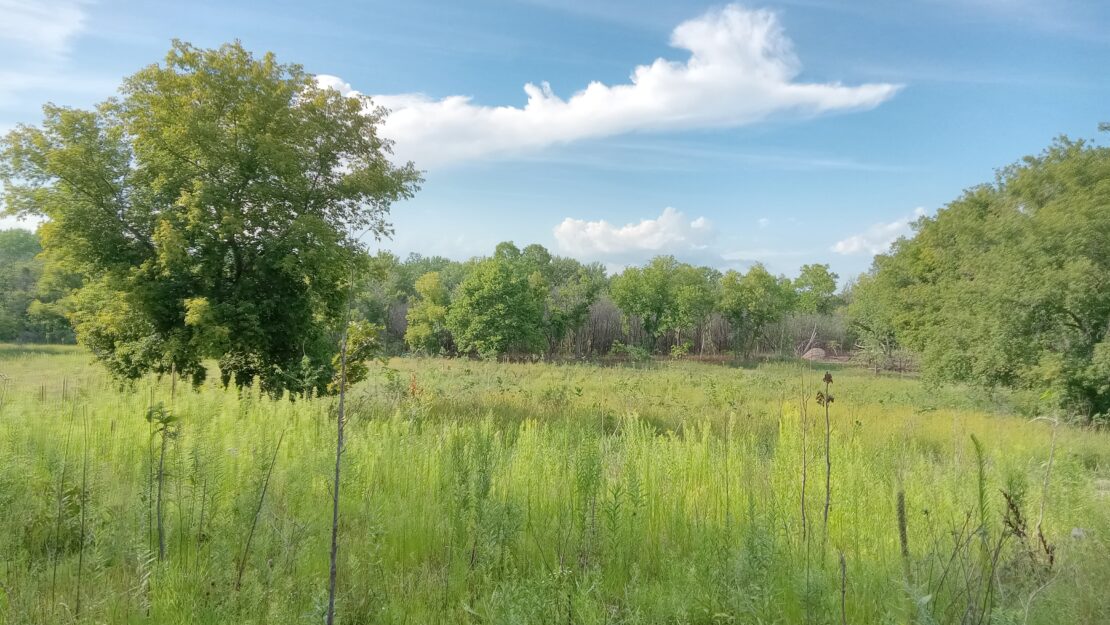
(670, 233)
(879, 237)
(327, 81)
(741, 70)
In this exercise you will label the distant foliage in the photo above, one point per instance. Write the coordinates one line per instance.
(570, 289)
(815, 290)
(363, 344)
(427, 316)
(19, 274)
(529, 303)
(31, 293)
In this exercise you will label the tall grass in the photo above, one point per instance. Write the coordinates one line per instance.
(494, 493)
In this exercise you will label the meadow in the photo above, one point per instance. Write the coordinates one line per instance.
(484, 492)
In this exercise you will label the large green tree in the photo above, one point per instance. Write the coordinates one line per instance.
(665, 295)
(571, 289)
(815, 288)
(1010, 283)
(211, 209)
(498, 308)
(753, 300)
(427, 316)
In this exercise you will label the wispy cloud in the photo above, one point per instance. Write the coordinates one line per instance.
(879, 237)
(50, 82)
(41, 27)
(742, 70)
(640, 154)
(36, 38)
(1060, 18)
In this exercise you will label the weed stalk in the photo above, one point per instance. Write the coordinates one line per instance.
(257, 512)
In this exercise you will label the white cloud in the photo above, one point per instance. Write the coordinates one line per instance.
(879, 237)
(763, 222)
(328, 81)
(741, 70)
(670, 233)
(41, 27)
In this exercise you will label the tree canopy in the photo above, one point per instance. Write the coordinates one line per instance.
(212, 211)
(1010, 283)
(753, 300)
(427, 316)
(498, 308)
(815, 287)
(665, 295)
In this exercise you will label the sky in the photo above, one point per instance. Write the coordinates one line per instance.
(784, 132)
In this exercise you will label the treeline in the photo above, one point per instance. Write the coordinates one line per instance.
(528, 303)
(30, 293)
(522, 303)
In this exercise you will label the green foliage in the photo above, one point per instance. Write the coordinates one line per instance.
(666, 295)
(537, 299)
(751, 301)
(19, 272)
(17, 246)
(680, 350)
(31, 293)
(498, 308)
(646, 293)
(815, 288)
(210, 211)
(871, 309)
(427, 316)
(571, 289)
(1010, 283)
(363, 344)
(390, 285)
(160, 418)
(634, 353)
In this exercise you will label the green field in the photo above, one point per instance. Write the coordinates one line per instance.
(477, 492)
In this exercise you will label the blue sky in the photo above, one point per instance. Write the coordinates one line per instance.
(784, 132)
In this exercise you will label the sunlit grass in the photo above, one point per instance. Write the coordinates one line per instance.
(502, 493)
